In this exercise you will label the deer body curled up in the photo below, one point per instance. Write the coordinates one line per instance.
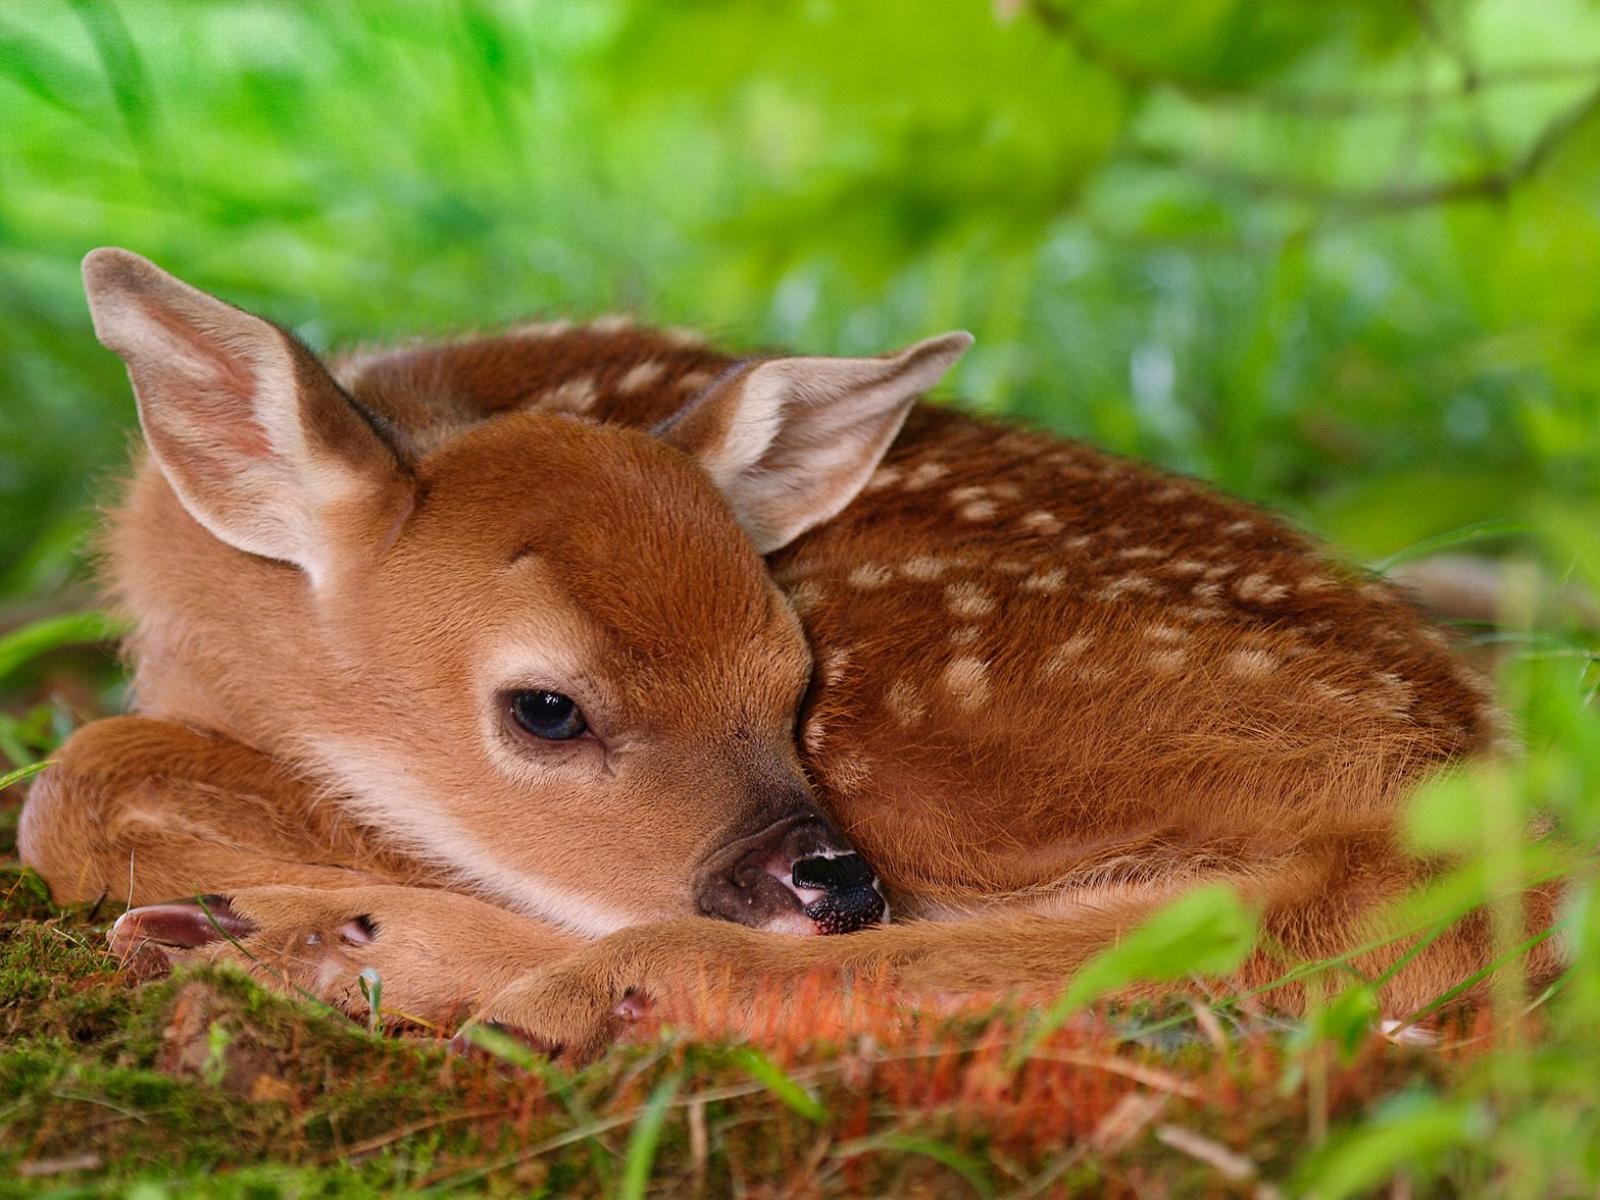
(535, 669)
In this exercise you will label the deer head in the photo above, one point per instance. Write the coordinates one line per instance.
(545, 653)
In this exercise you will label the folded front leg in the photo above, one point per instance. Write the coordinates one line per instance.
(232, 855)
(143, 810)
(436, 955)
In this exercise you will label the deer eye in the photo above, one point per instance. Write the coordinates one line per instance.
(548, 715)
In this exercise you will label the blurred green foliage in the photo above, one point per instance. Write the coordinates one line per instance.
(1336, 256)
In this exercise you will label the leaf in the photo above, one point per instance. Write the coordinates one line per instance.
(1348, 1019)
(1446, 813)
(1209, 931)
(1411, 1133)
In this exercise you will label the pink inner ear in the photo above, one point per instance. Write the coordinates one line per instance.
(221, 407)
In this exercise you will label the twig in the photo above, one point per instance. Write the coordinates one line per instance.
(1063, 22)
(394, 1135)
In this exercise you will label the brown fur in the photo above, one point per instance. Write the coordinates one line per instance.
(1052, 689)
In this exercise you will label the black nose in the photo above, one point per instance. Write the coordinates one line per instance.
(798, 875)
(850, 898)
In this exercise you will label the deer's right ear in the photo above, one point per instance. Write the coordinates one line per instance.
(257, 440)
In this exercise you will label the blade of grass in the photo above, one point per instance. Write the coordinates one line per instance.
(23, 645)
(21, 773)
(1466, 535)
(969, 1166)
(777, 1081)
(641, 1153)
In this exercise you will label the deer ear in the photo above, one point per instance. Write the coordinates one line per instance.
(257, 440)
(790, 441)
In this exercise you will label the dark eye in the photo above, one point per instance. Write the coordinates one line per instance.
(548, 715)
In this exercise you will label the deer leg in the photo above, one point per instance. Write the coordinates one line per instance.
(226, 854)
(436, 955)
(142, 810)
(575, 1002)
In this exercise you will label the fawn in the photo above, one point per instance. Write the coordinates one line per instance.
(534, 669)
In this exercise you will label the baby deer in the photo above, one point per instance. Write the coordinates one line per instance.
(454, 660)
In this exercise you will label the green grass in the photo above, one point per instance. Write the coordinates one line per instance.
(1339, 258)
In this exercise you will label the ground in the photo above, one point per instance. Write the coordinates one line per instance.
(207, 1084)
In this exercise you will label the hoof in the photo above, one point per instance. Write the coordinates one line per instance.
(176, 925)
(499, 1042)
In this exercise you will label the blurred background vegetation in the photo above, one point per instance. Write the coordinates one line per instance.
(1336, 255)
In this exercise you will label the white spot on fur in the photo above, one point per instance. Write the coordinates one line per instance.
(1259, 589)
(869, 575)
(1067, 652)
(806, 596)
(1045, 581)
(693, 381)
(1168, 660)
(1120, 587)
(848, 772)
(1185, 566)
(925, 473)
(816, 734)
(1391, 692)
(904, 702)
(1170, 495)
(962, 495)
(978, 510)
(1042, 521)
(611, 323)
(1077, 543)
(1327, 690)
(968, 681)
(682, 335)
(1142, 552)
(1252, 663)
(968, 600)
(965, 635)
(1193, 612)
(833, 667)
(1237, 528)
(640, 376)
(574, 395)
(924, 567)
(1166, 633)
(883, 477)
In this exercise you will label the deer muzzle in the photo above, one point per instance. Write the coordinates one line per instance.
(799, 875)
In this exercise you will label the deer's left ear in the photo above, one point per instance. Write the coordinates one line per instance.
(790, 441)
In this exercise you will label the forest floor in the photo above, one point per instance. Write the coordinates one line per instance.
(206, 1084)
